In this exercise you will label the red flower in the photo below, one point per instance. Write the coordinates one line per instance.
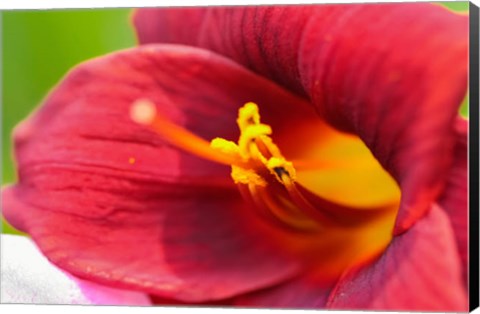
(320, 223)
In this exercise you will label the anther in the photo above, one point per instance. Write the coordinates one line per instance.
(280, 171)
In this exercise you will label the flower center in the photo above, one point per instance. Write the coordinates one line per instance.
(262, 174)
(288, 194)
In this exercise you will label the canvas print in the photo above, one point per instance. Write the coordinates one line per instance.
(294, 157)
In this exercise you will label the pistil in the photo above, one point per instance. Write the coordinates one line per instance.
(143, 111)
(264, 176)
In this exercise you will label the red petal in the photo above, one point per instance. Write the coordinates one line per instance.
(168, 224)
(299, 293)
(455, 197)
(374, 70)
(420, 271)
(184, 249)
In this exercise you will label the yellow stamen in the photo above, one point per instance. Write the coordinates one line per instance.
(247, 176)
(256, 146)
(224, 146)
(253, 159)
(248, 115)
(246, 143)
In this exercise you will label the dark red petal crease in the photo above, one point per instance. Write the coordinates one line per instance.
(419, 271)
(394, 74)
(454, 200)
(112, 202)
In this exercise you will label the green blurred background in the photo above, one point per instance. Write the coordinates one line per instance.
(39, 47)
